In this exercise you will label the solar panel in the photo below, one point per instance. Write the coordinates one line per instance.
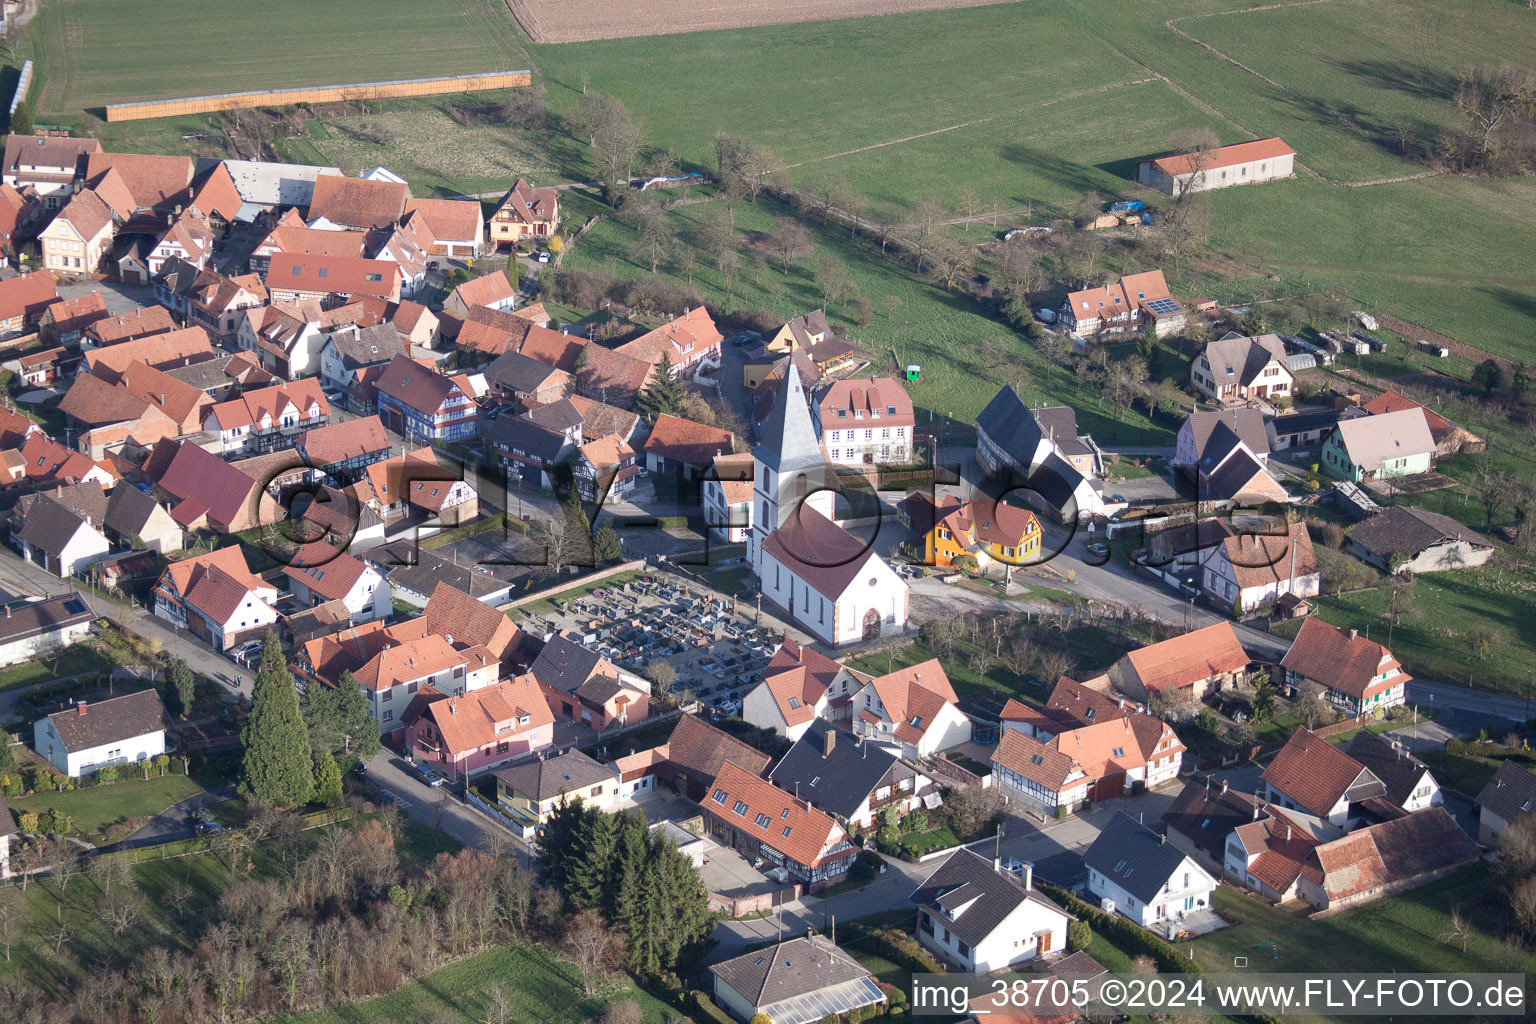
(1160, 307)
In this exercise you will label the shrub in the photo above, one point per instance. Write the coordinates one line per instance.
(1079, 935)
(1129, 936)
(107, 774)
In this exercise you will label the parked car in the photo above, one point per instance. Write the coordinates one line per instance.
(542, 256)
(427, 775)
(207, 828)
(1098, 550)
(1045, 316)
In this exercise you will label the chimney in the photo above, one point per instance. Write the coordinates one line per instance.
(1029, 875)
(828, 741)
(7, 611)
(1353, 635)
(1223, 787)
(80, 709)
(1255, 810)
(1287, 832)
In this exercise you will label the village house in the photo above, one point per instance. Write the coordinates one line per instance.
(1184, 668)
(1301, 432)
(1204, 434)
(148, 181)
(288, 340)
(418, 481)
(530, 791)
(1229, 472)
(1414, 540)
(77, 242)
(1504, 799)
(1148, 879)
(331, 280)
(799, 686)
(223, 304)
(162, 351)
(1204, 814)
(583, 686)
(1237, 368)
(416, 573)
(865, 422)
(534, 452)
(985, 530)
(1379, 447)
(41, 461)
(120, 327)
(1270, 853)
(19, 209)
(457, 225)
(687, 343)
(1245, 163)
(1309, 774)
(86, 738)
(343, 450)
(848, 779)
(1037, 454)
(913, 709)
(1410, 784)
(524, 382)
(1122, 306)
(727, 498)
(48, 164)
(1388, 857)
(980, 918)
(23, 299)
(604, 374)
(795, 982)
(356, 204)
(217, 597)
(60, 539)
(491, 291)
(605, 470)
(758, 820)
(105, 418)
(1083, 746)
(1250, 572)
(201, 490)
(267, 419)
(1356, 675)
(40, 369)
(352, 357)
(290, 235)
(683, 447)
(525, 213)
(696, 752)
(64, 321)
(318, 573)
(811, 336)
(33, 627)
(464, 736)
(134, 518)
(188, 237)
(422, 405)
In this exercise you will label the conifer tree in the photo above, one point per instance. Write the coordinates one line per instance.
(592, 861)
(664, 393)
(338, 722)
(179, 674)
(327, 779)
(277, 770)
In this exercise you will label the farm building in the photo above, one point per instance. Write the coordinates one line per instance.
(1243, 164)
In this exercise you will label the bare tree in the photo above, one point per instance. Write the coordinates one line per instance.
(550, 535)
(11, 912)
(925, 218)
(789, 240)
(1492, 97)
(498, 1006)
(63, 862)
(591, 947)
(969, 201)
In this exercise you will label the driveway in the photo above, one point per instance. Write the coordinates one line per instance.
(175, 822)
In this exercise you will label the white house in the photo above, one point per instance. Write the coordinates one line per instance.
(1248, 572)
(216, 596)
(1312, 775)
(727, 498)
(795, 982)
(1143, 876)
(851, 780)
(913, 709)
(285, 341)
(29, 628)
(981, 918)
(832, 584)
(319, 573)
(798, 687)
(59, 540)
(1236, 368)
(1020, 447)
(1410, 784)
(865, 421)
(87, 737)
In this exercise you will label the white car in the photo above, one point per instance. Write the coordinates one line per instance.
(542, 256)
(1045, 316)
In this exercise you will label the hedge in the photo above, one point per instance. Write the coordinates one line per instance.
(902, 950)
(1126, 933)
(709, 1010)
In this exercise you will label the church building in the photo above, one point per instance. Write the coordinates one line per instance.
(830, 582)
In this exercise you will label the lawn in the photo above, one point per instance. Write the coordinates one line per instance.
(95, 809)
(546, 606)
(541, 987)
(1396, 933)
(1464, 773)
(108, 51)
(941, 838)
(72, 660)
(1453, 613)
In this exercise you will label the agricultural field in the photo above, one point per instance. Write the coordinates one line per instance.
(569, 21)
(97, 52)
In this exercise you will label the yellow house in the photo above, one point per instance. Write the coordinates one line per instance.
(79, 237)
(524, 213)
(986, 530)
(529, 791)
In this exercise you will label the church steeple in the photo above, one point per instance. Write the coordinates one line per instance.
(788, 438)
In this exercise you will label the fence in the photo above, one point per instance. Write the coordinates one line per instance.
(526, 831)
(318, 94)
(22, 84)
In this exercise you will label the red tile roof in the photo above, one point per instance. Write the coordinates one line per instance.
(682, 340)
(531, 205)
(459, 615)
(204, 484)
(324, 570)
(1316, 774)
(693, 444)
(1341, 660)
(335, 275)
(162, 351)
(78, 313)
(1391, 401)
(128, 326)
(27, 295)
(338, 442)
(1223, 156)
(1188, 659)
(452, 220)
(483, 291)
(1259, 560)
(870, 396)
(358, 202)
(703, 749)
(914, 696)
(793, 827)
(491, 714)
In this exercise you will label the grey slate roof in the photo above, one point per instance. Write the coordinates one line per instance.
(1205, 815)
(564, 664)
(395, 561)
(1304, 422)
(120, 718)
(1134, 857)
(1245, 424)
(1011, 426)
(1237, 359)
(1404, 528)
(528, 438)
(548, 777)
(794, 968)
(1510, 793)
(49, 526)
(1231, 477)
(1059, 423)
(1398, 770)
(128, 510)
(368, 346)
(838, 782)
(788, 438)
(561, 416)
(964, 874)
(518, 372)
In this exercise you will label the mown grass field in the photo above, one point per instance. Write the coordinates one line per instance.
(108, 51)
(541, 988)
(93, 810)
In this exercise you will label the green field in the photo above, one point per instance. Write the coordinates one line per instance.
(93, 810)
(108, 51)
